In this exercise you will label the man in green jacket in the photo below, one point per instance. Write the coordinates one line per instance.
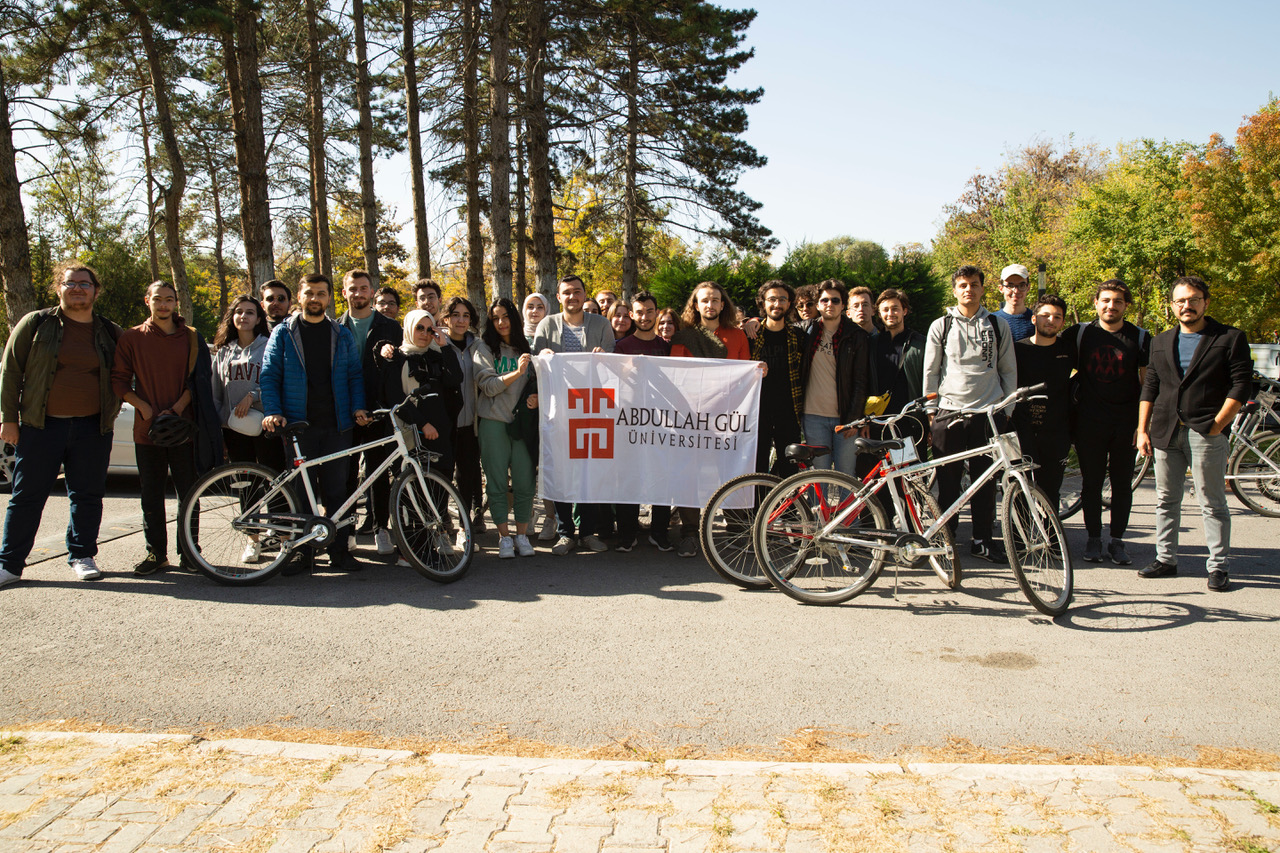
(58, 409)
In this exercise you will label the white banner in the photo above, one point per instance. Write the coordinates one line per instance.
(644, 429)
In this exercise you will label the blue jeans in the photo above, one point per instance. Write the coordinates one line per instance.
(1206, 455)
(76, 445)
(821, 430)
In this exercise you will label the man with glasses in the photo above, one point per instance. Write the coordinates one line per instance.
(1200, 375)
(58, 409)
(836, 376)
(276, 299)
(387, 303)
(1014, 285)
(1110, 355)
(427, 295)
(806, 304)
(1042, 425)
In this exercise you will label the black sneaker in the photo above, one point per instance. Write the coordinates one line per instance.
(1157, 569)
(1119, 555)
(988, 549)
(659, 540)
(1093, 550)
(302, 563)
(150, 565)
(626, 546)
(1218, 581)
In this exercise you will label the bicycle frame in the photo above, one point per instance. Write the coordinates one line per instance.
(1247, 426)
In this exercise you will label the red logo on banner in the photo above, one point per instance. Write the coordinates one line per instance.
(590, 437)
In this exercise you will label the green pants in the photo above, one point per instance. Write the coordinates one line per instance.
(500, 453)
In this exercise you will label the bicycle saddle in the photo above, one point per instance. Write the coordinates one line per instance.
(805, 452)
(289, 430)
(870, 445)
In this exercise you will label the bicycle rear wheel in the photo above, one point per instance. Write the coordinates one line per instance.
(1253, 477)
(798, 559)
(431, 527)
(923, 509)
(207, 518)
(1036, 547)
(726, 529)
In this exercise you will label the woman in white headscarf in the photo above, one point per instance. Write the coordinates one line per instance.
(534, 309)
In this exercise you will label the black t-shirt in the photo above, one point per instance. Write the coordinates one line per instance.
(775, 391)
(317, 354)
(1052, 366)
(1107, 365)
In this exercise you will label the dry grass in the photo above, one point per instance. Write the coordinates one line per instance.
(804, 745)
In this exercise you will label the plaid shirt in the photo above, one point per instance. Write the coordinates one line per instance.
(795, 357)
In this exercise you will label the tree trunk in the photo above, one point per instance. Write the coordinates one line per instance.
(244, 86)
(471, 148)
(15, 246)
(538, 130)
(153, 253)
(177, 172)
(500, 150)
(630, 205)
(368, 201)
(522, 238)
(319, 181)
(219, 233)
(421, 241)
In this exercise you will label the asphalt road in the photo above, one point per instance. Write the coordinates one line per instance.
(584, 649)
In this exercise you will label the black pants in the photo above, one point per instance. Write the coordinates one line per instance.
(265, 448)
(155, 466)
(328, 481)
(628, 516)
(951, 435)
(380, 491)
(1049, 448)
(466, 458)
(1106, 448)
(590, 519)
(777, 429)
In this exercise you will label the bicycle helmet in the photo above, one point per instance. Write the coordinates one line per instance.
(170, 430)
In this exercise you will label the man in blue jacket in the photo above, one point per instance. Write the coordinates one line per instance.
(311, 371)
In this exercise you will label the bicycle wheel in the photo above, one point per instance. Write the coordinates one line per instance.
(1140, 469)
(923, 509)
(1252, 474)
(801, 562)
(1069, 496)
(1036, 547)
(207, 517)
(431, 528)
(726, 529)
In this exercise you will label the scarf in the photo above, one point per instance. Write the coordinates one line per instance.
(530, 328)
(411, 321)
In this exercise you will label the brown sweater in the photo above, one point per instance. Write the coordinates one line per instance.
(154, 366)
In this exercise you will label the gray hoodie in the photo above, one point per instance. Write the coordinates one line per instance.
(236, 372)
(495, 399)
(973, 371)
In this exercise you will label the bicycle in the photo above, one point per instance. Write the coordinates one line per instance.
(821, 538)
(234, 506)
(1253, 465)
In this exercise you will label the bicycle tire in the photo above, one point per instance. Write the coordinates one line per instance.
(205, 524)
(816, 572)
(726, 531)
(923, 510)
(435, 541)
(1260, 495)
(1043, 569)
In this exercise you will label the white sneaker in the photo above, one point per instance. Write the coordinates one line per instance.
(506, 549)
(548, 531)
(351, 542)
(401, 561)
(7, 577)
(85, 568)
(444, 544)
(594, 543)
(382, 539)
(523, 548)
(252, 552)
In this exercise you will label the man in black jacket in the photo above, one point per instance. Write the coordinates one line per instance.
(371, 329)
(836, 376)
(1198, 378)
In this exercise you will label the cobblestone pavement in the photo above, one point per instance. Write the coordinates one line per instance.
(70, 792)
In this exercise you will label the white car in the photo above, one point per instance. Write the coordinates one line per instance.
(122, 459)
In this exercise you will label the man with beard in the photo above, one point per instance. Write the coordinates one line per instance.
(311, 371)
(1110, 356)
(708, 332)
(898, 357)
(370, 330)
(276, 298)
(1200, 375)
(780, 345)
(1042, 425)
(643, 340)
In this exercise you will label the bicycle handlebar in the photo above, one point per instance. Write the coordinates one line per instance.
(884, 420)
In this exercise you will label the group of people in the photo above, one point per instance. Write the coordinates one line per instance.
(829, 355)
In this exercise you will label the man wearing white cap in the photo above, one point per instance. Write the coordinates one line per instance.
(1014, 283)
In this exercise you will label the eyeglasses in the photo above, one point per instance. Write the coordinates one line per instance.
(1009, 286)
(78, 285)
(1191, 300)
(281, 298)
(830, 300)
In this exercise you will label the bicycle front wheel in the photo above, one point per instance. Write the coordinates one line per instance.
(1036, 547)
(431, 528)
(726, 529)
(923, 509)
(224, 546)
(798, 558)
(1254, 474)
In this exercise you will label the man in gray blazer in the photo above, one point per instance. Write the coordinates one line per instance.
(574, 330)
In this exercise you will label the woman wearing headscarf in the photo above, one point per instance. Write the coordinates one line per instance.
(534, 309)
